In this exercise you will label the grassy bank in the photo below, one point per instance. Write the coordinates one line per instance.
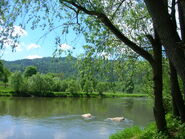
(96, 94)
(10, 92)
(176, 130)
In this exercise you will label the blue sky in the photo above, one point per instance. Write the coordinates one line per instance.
(33, 45)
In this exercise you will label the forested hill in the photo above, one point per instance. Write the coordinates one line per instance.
(45, 65)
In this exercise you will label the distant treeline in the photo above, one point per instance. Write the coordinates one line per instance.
(45, 65)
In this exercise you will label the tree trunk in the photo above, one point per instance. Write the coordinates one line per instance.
(176, 93)
(182, 3)
(182, 31)
(174, 88)
(174, 108)
(159, 112)
(168, 35)
(158, 109)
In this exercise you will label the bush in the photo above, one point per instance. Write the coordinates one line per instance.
(40, 84)
(63, 86)
(101, 87)
(88, 87)
(17, 83)
(59, 85)
(73, 87)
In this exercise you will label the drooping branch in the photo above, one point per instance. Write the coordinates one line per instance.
(106, 21)
(113, 15)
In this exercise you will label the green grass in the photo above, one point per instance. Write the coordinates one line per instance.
(5, 91)
(96, 94)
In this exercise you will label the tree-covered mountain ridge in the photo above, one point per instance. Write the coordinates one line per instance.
(63, 65)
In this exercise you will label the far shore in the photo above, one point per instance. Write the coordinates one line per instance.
(67, 94)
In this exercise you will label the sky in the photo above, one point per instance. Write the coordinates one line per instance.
(39, 43)
(32, 46)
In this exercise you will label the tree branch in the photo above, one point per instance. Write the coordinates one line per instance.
(105, 20)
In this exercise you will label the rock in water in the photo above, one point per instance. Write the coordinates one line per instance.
(116, 119)
(87, 115)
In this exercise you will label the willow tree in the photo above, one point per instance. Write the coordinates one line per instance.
(109, 18)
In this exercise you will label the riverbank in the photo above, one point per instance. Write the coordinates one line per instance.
(176, 130)
(10, 93)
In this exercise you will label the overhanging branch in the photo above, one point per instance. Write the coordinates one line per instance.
(106, 21)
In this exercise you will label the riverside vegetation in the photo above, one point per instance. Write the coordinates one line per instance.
(30, 82)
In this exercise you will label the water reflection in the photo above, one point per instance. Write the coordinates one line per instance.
(55, 118)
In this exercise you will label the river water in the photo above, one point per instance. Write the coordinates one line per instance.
(60, 118)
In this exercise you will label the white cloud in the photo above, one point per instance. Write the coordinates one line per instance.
(33, 57)
(65, 47)
(33, 46)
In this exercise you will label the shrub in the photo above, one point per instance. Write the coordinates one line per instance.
(40, 84)
(17, 83)
(101, 87)
(57, 85)
(63, 86)
(88, 86)
(73, 87)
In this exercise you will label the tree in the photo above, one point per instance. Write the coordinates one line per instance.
(17, 82)
(73, 87)
(39, 84)
(1, 68)
(5, 76)
(88, 87)
(30, 71)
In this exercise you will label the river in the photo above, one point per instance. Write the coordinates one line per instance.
(60, 118)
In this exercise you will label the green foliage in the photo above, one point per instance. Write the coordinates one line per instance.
(101, 87)
(1, 68)
(30, 70)
(4, 74)
(40, 84)
(57, 85)
(88, 86)
(73, 87)
(167, 102)
(17, 82)
(127, 133)
(63, 86)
